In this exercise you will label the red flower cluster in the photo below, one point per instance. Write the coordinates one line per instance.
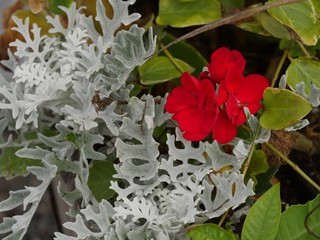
(200, 109)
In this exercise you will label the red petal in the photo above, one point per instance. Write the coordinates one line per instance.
(194, 136)
(252, 88)
(223, 131)
(221, 60)
(190, 82)
(238, 59)
(234, 80)
(222, 96)
(180, 99)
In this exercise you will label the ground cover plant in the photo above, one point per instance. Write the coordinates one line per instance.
(154, 140)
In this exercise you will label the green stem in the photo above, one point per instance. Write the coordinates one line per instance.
(247, 164)
(294, 166)
(169, 55)
(223, 218)
(277, 72)
(304, 50)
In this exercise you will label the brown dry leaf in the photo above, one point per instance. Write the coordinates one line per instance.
(284, 142)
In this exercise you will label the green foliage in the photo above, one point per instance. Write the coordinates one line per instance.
(53, 5)
(301, 18)
(100, 175)
(273, 26)
(209, 231)
(263, 218)
(295, 50)
(186, 53)
(162, 69)
(13, 166)
(230, 5)
(282, 108)
(293, 219)
(305, 70)
(258, 164)
(182, 14)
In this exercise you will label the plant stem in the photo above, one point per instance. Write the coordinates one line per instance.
(247, 164)
(304, 50)
(281, 62)
(233, 18)
(223, 218)
(293, 165)
(172, 59)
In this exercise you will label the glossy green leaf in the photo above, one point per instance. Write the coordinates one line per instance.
(273, 26)
(300, 17)
(161, 69)
(258, 164)
(182, 14)
(208, 232)
(13, 166)
(53, 5)
(100, 175)
(292, 222)
(186, 53)
(303, 69)
(282, 108)
(263, 218)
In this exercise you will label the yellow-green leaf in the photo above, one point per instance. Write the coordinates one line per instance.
(161, 69)
(263, 218)
(282, 108)
(187, 13)
(300, 17)
(303, 69)
(209, 231)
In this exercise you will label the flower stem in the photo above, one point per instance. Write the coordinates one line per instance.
(281, 62)
(293, 165)
(169, 55)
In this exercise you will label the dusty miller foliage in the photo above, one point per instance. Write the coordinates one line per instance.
(55, 77)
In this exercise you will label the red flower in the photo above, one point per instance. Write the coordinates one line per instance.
(237, 92)
(199, 111)
(193, 106)
(221, 60)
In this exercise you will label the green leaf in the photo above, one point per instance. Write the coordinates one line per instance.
(263, 218)
(230, 5)
(264, 180)
(273, 26)
(253, 25)
(316, 6)
(258, 164)
(292, 222)
(186, 53)
(209, 231)
(295, 50)
(303, 69)
(182, 14)
(100, 175)
(301, 18)
(13, 166)
(161, 69)
(282, 108)
(53, 5)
